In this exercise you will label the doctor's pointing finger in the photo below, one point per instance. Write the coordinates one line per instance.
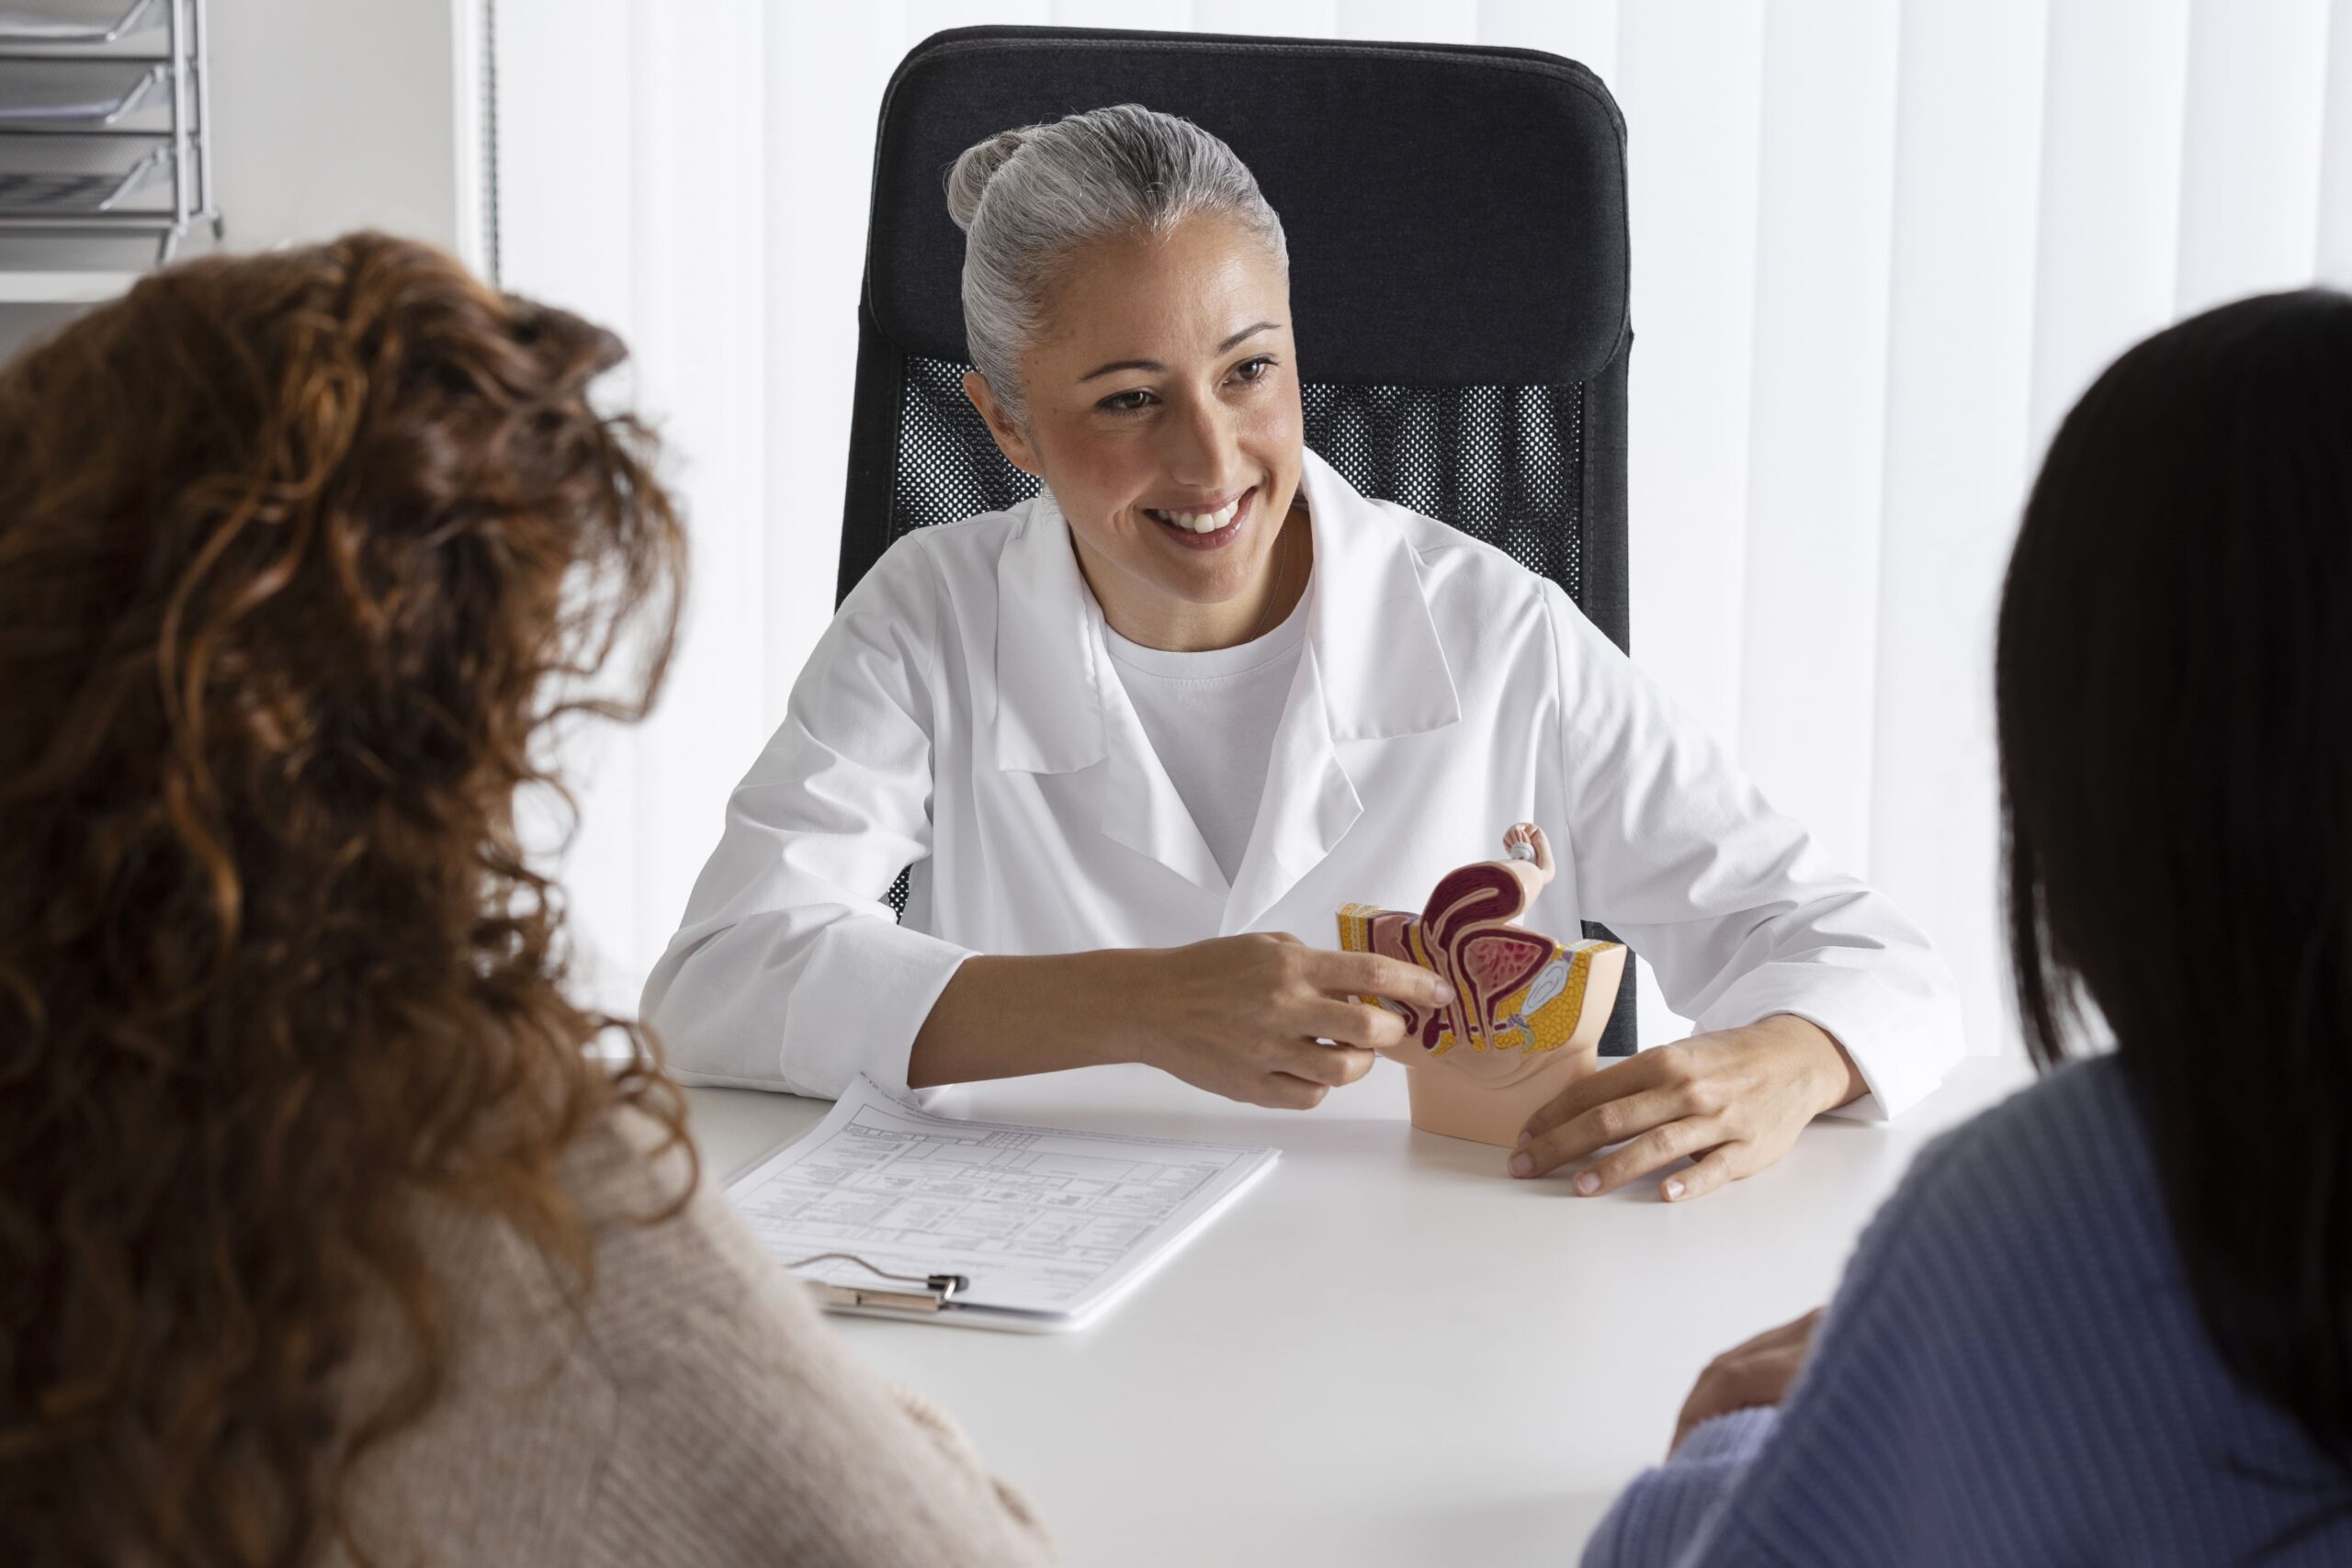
(1201, 691)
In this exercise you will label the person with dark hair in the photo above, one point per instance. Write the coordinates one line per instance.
(324, 1233)
(2110, 1321)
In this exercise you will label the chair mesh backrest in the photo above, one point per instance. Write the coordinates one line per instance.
(1502, 463)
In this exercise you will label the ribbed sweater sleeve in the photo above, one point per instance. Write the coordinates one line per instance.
(1663, 1512)
(1703, 1504)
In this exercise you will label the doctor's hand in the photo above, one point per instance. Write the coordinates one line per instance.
(1246, 1016)
(1733, 1100)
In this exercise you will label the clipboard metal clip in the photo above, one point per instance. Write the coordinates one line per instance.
(929, 1292)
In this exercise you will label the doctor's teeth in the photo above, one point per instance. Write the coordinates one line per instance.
(1200, 522)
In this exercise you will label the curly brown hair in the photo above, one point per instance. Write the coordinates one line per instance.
(299, 555)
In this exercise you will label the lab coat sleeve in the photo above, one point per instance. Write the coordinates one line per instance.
(789, 971)
(1729, 901)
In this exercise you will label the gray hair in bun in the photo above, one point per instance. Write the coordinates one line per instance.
(1026, 199)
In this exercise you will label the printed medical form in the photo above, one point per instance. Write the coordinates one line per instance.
(1039, 1219)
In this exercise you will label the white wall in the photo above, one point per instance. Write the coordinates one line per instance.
(1879, 247)
(634, 180)
(328, 116)
(333, 115)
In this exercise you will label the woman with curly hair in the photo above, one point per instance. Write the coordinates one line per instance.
(324, 1234)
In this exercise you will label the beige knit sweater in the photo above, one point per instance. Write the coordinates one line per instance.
(696, 1410)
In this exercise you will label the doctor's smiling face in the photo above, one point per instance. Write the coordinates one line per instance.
(1163, 413)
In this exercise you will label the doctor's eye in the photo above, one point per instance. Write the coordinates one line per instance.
(1254, 369)
(1133, 401)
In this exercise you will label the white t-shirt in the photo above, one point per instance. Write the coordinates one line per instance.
(1211, 720)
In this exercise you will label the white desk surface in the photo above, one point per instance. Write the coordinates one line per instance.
(1387, 1351)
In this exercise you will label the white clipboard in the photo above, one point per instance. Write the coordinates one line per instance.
(888, 1210)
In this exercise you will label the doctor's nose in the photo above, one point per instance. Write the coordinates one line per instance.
(1202, 450)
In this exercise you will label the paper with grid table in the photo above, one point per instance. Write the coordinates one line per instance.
(1045, 1227)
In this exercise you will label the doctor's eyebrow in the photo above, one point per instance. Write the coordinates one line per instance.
(1235, 341)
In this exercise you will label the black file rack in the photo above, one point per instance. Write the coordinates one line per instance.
(106, 127)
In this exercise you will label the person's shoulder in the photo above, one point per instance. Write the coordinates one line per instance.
(621, 1168)
(2076, 1123)
(1485, 603)
(939, 563)
(1457, 562)
(676, 1275)
(625, 1161)
(2056, 1181)
(933, 579)
(647, 1199)
(958, 546)
(740, 1420)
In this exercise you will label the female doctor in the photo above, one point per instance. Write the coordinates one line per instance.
(1200, 692)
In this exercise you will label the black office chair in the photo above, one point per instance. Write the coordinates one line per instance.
(1456, 221)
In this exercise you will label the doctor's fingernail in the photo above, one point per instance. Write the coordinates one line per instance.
(1521, 1166)
(1673, 1188)
(1522, 1138)
(1587, 1184)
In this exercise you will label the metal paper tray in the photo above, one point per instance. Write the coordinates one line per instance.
(84, 24)
(66, 96)
(67, 194)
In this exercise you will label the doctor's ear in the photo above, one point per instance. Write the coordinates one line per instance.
(1010, 438)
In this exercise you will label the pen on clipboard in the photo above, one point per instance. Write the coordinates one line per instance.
(935, 1292)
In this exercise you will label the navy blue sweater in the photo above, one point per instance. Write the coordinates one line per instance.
(2013, 1372)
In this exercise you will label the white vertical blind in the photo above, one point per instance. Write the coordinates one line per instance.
(1879, 249)
(2114, 92)
(1817, 412)
(1273, 18)
(1693, 167)
(2335, 154)
(562, 177)
(2251, 143)
(1958, 375)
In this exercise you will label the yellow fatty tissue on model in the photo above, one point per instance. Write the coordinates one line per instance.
(1513, 990)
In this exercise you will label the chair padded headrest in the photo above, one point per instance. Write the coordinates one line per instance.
(1456, 215)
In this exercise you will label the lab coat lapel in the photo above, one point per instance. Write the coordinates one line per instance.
(1309, 804)
(1373, 669)
(1049, 653)
(1061, 707)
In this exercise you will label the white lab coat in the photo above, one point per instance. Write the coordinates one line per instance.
(961, 716)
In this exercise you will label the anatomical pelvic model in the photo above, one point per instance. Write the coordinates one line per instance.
(1527, 1012)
